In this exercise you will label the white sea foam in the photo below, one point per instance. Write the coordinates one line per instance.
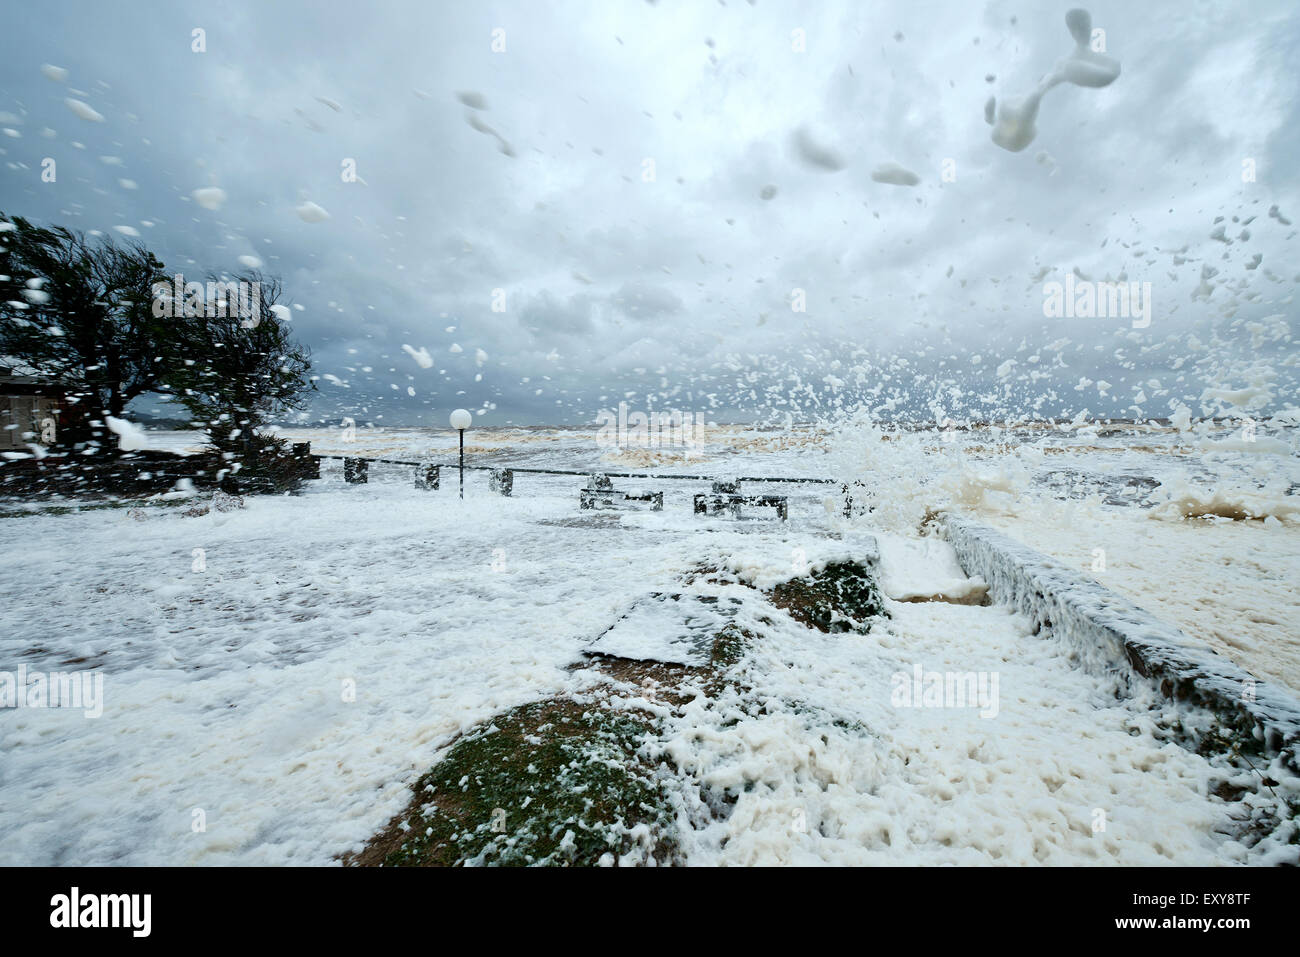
(1014, 127)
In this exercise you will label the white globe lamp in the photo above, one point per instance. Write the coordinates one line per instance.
(460, 420)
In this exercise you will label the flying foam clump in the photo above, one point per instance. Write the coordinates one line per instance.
(420, 355)
(209, 197)
(894, 175)
(84, 110)
(1013, 128)
(815, 153)
(310, 212)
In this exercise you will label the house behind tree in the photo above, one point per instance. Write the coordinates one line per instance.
(33, 407)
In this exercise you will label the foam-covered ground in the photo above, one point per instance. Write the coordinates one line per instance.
(1198, 526)
(824, 768)
(226, 688)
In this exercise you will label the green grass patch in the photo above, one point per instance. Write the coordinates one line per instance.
(729, 646)
(548, 783)
(841, 597)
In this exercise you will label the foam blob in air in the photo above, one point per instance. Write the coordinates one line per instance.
(473, 99)
(252, 262)
(130, 436)
(84, 110)
(895, 175)
(209, 197)
(816, 154)
(1084, 66)
(475, 123)
(420, 355)
(309, 212)
(1014, 126)
(56, 73)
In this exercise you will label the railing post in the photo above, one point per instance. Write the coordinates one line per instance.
(307, 465)
(356, 471)
(851, 507)
(502, 481)
(731, 490)
(428, 477)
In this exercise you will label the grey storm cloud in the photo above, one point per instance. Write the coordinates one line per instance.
(621, 245)
(546, 315)
(644, 301)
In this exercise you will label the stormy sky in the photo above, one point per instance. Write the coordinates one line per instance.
(671, 204)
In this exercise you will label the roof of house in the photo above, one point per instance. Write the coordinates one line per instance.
(15, 371)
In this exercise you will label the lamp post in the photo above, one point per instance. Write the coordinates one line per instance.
(460, 419)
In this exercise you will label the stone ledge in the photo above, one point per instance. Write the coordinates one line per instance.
(1110, 634)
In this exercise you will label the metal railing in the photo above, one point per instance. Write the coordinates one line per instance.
(583, 472)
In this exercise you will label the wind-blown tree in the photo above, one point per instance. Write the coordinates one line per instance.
(82, 312)
(242, 368)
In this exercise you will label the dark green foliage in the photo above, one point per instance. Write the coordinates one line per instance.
(543, 769)
(99, 320)
(243, 370)
(841, 597)
(90, 323)
(729, 646)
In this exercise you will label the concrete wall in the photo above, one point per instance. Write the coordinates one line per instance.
(1107, 634)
